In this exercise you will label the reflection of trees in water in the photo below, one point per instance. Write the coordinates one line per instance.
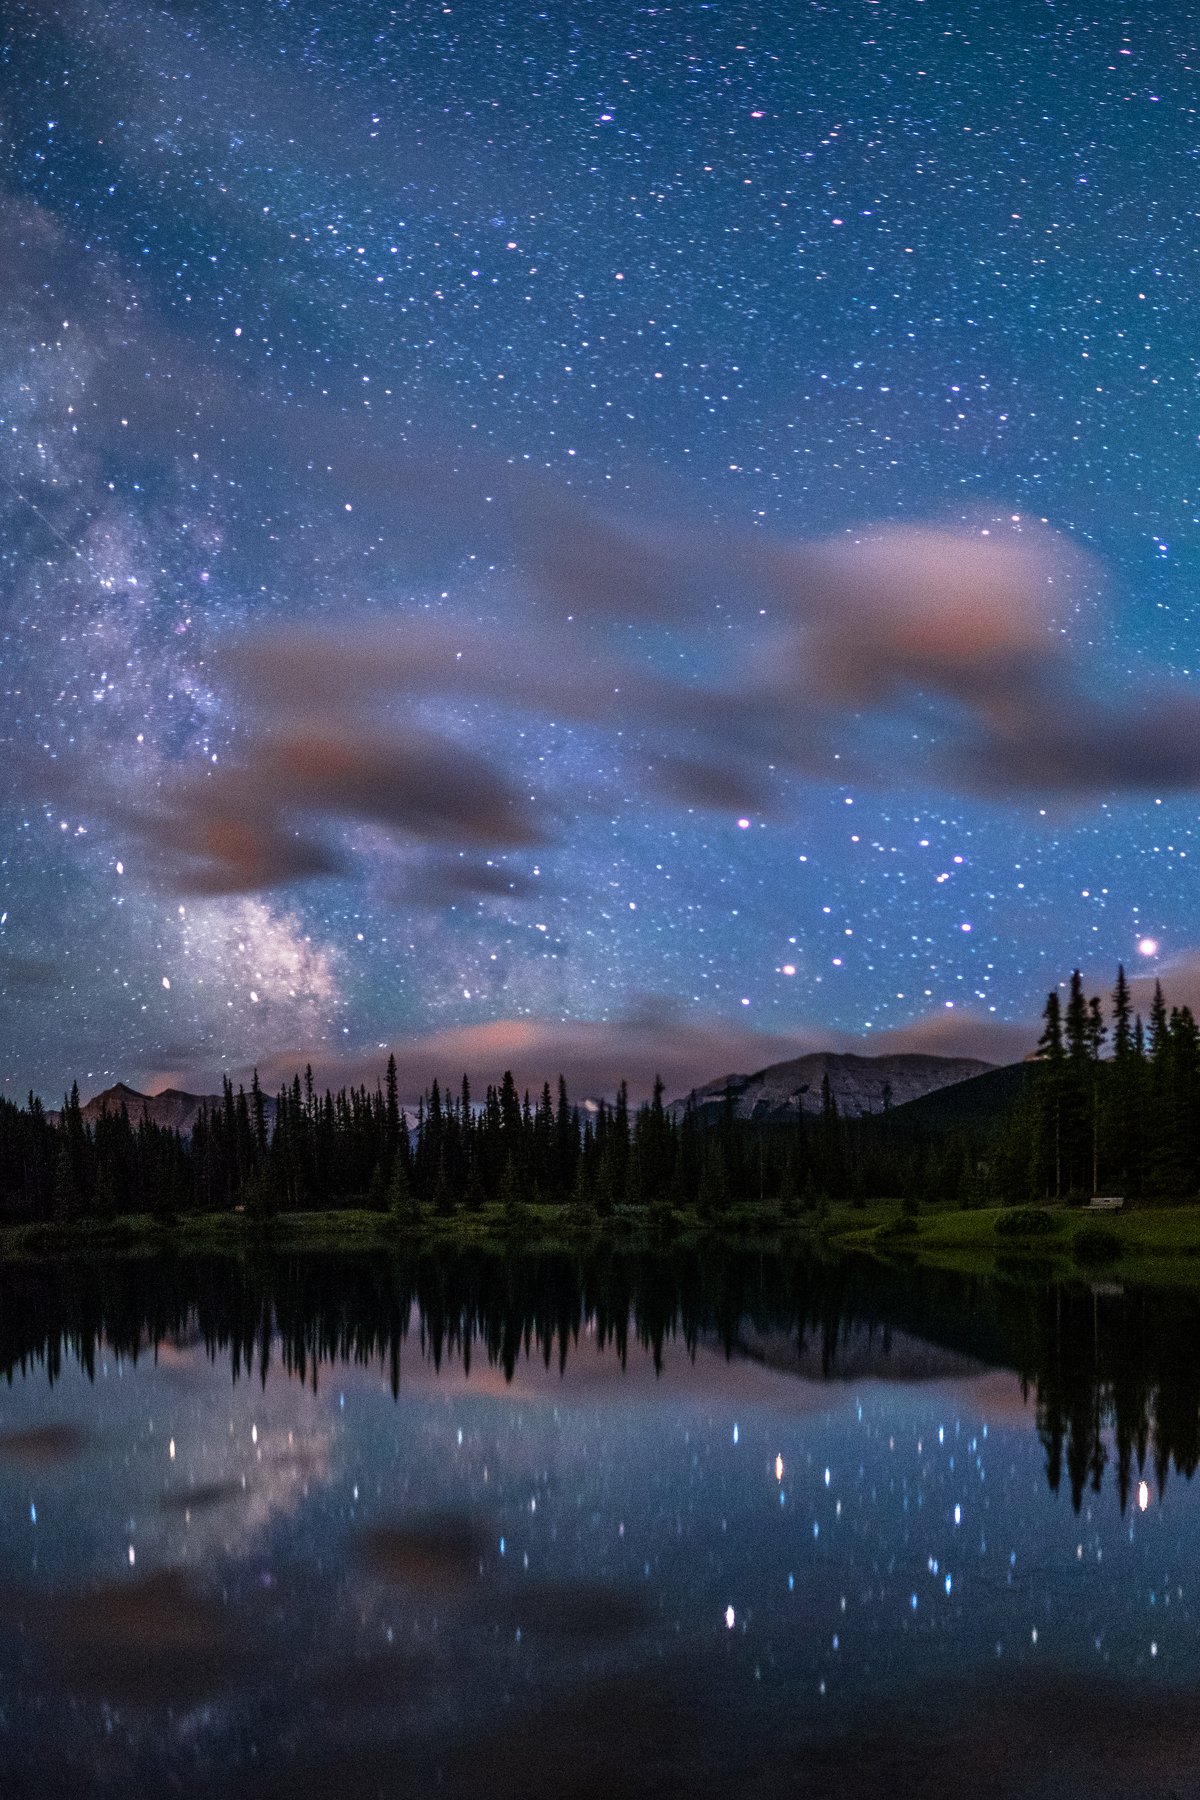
(1116, 1372)
(1112, 1370)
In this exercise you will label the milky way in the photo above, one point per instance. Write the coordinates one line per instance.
(619, 364)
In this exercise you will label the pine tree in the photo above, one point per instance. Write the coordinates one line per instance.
(1185, 1103)
(566, 1142)
(1096, 1035)
(619, 1148)
(1076, 1021)
(510, 1195)
(1122, 1010)
(258, 1116)
(710, 1201)
(68, 1201)
(377, 1192)
(1161, 1160)
(401, 1205)
(1051, 1054)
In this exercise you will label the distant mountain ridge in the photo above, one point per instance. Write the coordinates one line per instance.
(173, 1108)
(859, 1084)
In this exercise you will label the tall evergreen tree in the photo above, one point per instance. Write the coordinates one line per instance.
(1052, 1055)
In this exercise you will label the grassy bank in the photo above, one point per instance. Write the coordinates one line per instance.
(359, 1230)
(1152, 1243)
(1156, 1244)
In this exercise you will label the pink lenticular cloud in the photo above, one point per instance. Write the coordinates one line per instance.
(593, 1056)
(654, 1038)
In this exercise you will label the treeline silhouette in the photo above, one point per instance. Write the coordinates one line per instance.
(1114, 1375)
(359, 1148)
(1126, 1122)
(1109, 1105)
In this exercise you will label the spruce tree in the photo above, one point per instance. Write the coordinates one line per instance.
(68, 1201)
(258, 1116)
(710, 1201)
(1122, 1013)
(1076, 1020)
(401, 1205)
(377, 1191)
(1159, 1024)
(1052, 1056)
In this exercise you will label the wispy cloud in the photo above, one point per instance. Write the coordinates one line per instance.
(899, 655)
(264, 821)
(652, 1037)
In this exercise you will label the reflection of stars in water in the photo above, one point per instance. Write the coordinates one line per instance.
(898, 1552)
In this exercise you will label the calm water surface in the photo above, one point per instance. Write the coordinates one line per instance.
(623, 1526)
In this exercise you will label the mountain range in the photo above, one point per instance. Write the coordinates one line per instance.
(859, 1085)
(173, 1108)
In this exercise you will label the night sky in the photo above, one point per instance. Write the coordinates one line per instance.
(614, 537)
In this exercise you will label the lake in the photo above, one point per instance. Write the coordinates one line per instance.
(605, 1524)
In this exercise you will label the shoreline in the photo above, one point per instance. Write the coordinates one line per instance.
(1148, 1244)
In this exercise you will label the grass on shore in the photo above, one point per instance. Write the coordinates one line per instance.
(1154, 1244)
(353, 1229)
(1145, 1243)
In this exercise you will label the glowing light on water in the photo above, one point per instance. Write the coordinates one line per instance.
(730, 1616)
(1143, 1495)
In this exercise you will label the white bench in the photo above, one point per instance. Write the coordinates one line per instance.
(1105, 1203)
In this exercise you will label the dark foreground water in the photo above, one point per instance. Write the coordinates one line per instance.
(654, 1526)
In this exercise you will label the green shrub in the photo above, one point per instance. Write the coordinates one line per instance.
(1095, 1244)
(1026, 1221)
(904, 1225)
(661, 1219)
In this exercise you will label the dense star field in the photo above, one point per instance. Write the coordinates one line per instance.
(610, 537)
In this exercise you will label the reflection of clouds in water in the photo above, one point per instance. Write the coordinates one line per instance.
(42, 1446)
(435, 1551)
(156, 1640)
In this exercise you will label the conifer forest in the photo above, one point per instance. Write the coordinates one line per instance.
(1109, 1104)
